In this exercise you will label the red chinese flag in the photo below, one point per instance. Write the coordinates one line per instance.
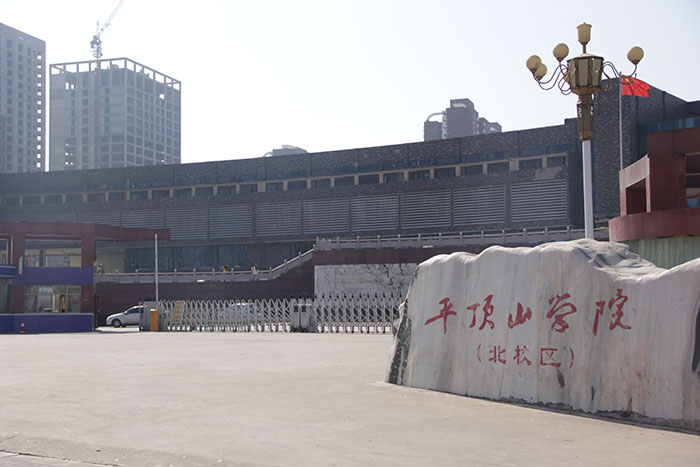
(634, 87)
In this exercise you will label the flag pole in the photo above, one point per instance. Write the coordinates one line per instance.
(619, 116)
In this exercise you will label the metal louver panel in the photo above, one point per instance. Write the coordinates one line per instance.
(327, 216)
(479, 205)
(55, 217)
(279, 219)
(425, 209)
(18, 217)
(231, 221)
(537, 201)
(147, 219)
(375, 213)
(100, 217)
(186, 223)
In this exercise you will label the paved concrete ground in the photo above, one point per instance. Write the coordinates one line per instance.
(130, 399)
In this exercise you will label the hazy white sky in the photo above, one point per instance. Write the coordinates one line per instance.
(328, 75)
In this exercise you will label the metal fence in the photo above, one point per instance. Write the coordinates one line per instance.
(360, 313)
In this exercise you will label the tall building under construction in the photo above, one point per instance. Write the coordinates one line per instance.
(112, 113)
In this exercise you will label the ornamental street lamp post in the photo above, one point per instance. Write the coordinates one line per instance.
(582, 75)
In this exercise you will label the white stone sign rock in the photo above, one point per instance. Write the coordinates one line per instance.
(583, 325)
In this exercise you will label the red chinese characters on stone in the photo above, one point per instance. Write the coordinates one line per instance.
(617, 316)
(520, 317)
(547, 357)
(556, 312)
(445, 311)
(495, 355)
(488, 311)
(600, 308)
(618, 301)
(520, 355)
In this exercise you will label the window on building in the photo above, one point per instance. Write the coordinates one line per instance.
(273, 186)
(74, 198)
(446, 172)
(194, 257)
(446, 160)
(247, 188)
(117, 196)
(418, 163)
(498, 167)
(233, 257)
(204, 191)
(557, 161)
(473, 170)
(143, 259)
(296, 185)
(344, 181)
(53, 199)
(321, 183)
(33, 199)
(393, 177)
(95, 197)
(497, 155)
(530, 164)
(419, 175)
(227, 190)
(42, 298)
(138, 195)
(294, 173)
(370, 168)
(530, 152)
(368, 179)
(182, 192)
(160, 194)
(559, 148)
(344, 170)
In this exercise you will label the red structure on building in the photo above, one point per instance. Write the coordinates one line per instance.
(17, 234)
(657, 190)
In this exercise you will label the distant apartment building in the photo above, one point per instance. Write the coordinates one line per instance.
(119, 113)
(460, 119)
(286, 150)
(484, 127)
(22, 101)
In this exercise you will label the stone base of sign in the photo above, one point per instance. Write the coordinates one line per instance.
(585, 326)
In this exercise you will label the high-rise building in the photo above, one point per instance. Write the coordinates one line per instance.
(22, 101)
(460, 119)
(485, 127)
(118, 114)
(432, 130)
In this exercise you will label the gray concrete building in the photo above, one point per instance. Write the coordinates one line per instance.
(22, 101)
(484, 127)
(265, 209)
(432, 130)
(460, 119)
(113, 113)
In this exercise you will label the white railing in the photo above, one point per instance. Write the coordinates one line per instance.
(202, 275)
(337, 313)
(503, 237)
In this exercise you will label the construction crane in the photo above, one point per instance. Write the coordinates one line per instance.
(96, 42)
(95, 109)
